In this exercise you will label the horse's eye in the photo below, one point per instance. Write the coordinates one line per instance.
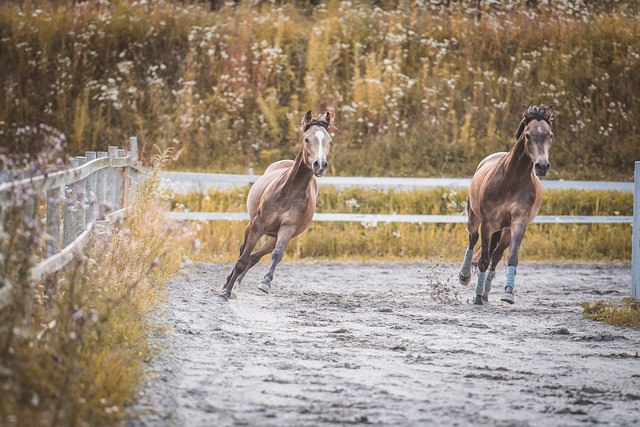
(306, 140)
(551, 136)
(528, 135)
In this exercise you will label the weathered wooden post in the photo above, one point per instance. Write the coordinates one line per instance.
(121, 181)
(81, 198)
(53, 222)
(90, 214)
(101, 188)
(133, 147)
(54, 199)
(69, 224)
(132, 188)
(112, 175)
(635, 250)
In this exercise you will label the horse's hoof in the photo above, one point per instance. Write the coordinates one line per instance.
(478, 300)
(464, 280)
(264, 287)
(222, 298)
(508, 296)
(485, 299)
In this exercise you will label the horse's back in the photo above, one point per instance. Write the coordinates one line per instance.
(273, 172)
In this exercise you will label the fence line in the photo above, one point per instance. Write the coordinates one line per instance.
(79, 201)
(184, 182)
(399, 218)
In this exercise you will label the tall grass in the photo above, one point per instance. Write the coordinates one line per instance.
(397, 241)
(77, 359)
(419, 88)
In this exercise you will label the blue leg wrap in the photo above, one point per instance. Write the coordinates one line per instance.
(480, 285)
(511, 277)
(487, 282)
(465, 270)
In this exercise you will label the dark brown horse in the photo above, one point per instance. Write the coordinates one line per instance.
(505, 196)
(282, 202)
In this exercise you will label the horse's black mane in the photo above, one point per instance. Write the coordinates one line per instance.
(534, 113)
(316, 122)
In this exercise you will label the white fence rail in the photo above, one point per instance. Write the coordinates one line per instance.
(77, 201)
(406, 218)
(185, 182)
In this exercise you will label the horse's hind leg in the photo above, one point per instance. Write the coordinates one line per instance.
(253, 235)
(465, 270)
(284, 235)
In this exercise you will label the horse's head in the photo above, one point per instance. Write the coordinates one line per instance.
(317, 141)
(535, 127)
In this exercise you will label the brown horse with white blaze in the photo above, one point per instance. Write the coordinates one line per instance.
(283, 200)
(505, 196)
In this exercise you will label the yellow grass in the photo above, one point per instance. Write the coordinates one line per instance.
(366, 241)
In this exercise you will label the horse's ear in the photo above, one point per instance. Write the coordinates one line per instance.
(525, 109)
(548, 113)
(306, 120)
(328, 119)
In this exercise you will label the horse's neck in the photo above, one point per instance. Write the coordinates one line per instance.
(517, 163)
(299, 175)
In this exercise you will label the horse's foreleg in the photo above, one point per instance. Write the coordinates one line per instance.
(464, 276)
(284, 235)
(496, 255)
(483, 264)
(517, 234)
(254, 233)
(257, 256)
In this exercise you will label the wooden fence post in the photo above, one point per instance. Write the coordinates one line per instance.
(635, 249)
(112, 175)
(133, 147)
(90, 214)
(121, 181)
(53, 222)
(132, 189)
(101, 188)
(81, 198)
(69, 222)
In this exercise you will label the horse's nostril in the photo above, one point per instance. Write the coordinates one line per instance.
(316, 165)
(324, 165)
(542, 168)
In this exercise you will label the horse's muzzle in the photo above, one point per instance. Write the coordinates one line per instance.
(319, 168)
(542, 168)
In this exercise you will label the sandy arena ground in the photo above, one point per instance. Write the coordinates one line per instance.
(393, 344)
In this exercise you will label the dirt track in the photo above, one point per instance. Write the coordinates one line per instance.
(394, 344)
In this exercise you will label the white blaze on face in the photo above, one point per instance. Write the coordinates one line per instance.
(320, 136)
